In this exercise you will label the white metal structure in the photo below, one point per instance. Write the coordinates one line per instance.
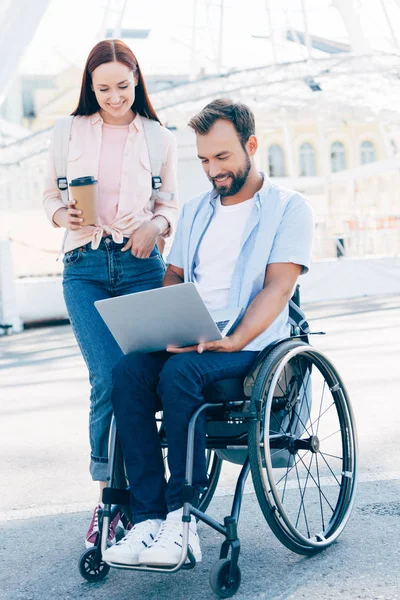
(18, 23)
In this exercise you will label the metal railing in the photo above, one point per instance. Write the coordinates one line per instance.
(364, 232)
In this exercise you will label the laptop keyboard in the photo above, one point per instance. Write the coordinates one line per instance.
(222, 324)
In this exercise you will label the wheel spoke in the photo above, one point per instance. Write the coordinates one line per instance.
(304, 492)
(327, 464)
(280, 387)
(278, 423)
(331, 455)
(330, 435)
(320, 496)
(319, 487)
(320, 407)
(284, 488)
(291, 468)
(325, 411)
(301, 502)
(302, 423)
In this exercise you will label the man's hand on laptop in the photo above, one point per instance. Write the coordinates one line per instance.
(227, 344)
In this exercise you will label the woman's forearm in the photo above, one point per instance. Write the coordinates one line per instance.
(161, 223)
(60, 217)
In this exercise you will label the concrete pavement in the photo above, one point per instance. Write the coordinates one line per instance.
(46, 495)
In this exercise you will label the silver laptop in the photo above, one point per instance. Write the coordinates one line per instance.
(174, 315)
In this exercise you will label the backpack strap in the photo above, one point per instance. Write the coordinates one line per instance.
(61, 137)
(155, 146)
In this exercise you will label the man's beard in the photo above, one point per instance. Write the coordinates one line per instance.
(238, 180)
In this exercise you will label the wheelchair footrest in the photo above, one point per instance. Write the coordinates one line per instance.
(115, 496)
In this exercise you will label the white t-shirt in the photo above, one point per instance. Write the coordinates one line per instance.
(218, 252)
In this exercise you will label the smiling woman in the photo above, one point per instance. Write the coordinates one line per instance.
(111, 68)
(118, 254)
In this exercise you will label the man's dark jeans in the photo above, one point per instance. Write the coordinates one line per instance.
(140, 382)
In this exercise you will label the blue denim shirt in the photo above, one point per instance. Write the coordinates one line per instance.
(279, 230)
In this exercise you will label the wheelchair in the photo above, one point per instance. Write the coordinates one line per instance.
(289, 423)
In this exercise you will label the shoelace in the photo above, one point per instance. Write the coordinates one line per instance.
(96, 519)
(95, 527)
(168, 532)
(135, 529)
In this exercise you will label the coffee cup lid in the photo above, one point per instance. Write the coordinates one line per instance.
(83, 181)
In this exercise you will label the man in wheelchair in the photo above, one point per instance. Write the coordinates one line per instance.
(243, 244)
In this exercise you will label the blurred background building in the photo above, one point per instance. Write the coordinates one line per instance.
(323, 78)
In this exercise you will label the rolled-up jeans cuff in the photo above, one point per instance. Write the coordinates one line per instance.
(98, 468)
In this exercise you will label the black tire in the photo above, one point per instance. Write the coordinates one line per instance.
(288, 439)
(219, 579)
(90, 568)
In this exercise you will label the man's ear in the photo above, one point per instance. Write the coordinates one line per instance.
(252, 145)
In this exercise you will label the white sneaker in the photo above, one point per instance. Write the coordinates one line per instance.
(167, 547)
(127, 550)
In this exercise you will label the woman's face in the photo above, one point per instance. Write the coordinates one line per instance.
(114, 86)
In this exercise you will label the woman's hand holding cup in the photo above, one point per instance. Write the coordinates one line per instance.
(69, 217)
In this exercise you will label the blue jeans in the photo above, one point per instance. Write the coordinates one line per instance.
(91, 275)
(141, 381)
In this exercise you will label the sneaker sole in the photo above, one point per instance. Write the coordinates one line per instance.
(119, 561)
(156, 563)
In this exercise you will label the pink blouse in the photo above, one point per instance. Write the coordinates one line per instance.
(125, 188)
(110, 171)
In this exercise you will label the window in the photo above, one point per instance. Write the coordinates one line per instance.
(276, 161)
(367, 153)
(338, 157)
(307, 160)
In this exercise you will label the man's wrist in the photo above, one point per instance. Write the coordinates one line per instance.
(237, 340)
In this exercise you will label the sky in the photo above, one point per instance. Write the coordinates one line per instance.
(69, 30)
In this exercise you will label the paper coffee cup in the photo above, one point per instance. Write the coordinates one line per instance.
(84, 192)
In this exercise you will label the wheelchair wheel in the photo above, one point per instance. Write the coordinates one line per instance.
(90, 568)
(302, 447)
(219, 579)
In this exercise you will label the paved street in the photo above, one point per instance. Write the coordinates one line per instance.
(46, 495)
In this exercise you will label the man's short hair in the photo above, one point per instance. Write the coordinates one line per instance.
(240, 115)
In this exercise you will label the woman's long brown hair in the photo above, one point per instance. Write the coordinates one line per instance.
(105, 52)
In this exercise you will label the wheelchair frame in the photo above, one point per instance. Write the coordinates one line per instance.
(225, 575)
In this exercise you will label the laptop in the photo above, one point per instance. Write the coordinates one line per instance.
(169, 316)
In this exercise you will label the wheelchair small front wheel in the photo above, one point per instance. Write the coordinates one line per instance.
(220, 581)
(90, 568)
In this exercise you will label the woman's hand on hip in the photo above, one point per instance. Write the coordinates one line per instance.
(68, 217)
(142, 241)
